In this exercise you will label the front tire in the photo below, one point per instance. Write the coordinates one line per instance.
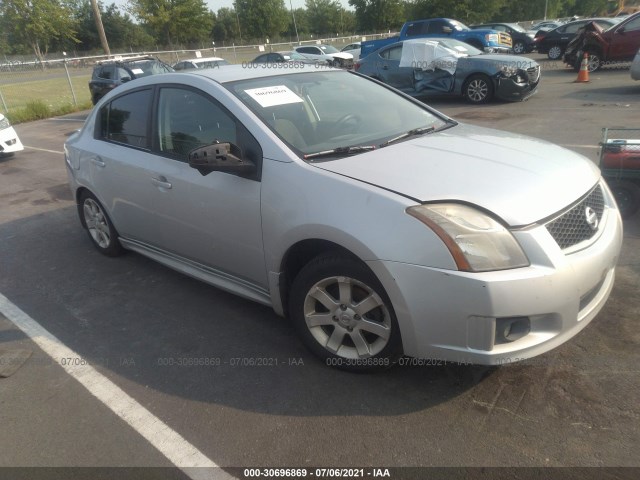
(101, 231)
(343, 315)
(478, 89)
(594, 61)
(519, 48)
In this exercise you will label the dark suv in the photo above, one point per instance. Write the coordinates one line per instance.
(522, 42)
(108, 74)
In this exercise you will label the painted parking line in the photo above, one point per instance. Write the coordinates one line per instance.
(43, 150)
(171, 444)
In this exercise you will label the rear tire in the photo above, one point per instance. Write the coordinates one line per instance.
(555, 52)
(101, 231)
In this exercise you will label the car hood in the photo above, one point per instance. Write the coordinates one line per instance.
(342, 55)
(501, 60)
(520, 179)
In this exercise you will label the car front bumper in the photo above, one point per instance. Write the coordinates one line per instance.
(9, 141)
(498, 49)
(507, 89)
(456, 316)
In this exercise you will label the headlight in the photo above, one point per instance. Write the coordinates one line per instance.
(4, 123)
(476, 241)
(492, 37)
(509, 70)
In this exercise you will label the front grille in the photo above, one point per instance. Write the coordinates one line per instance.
(534, 74)
(505, 39)
(572, 227)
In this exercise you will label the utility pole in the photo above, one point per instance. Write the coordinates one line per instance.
(101, 34)
(294, 22)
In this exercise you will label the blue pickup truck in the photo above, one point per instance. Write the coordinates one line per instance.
(483, 39)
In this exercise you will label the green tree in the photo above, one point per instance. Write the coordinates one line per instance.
(39, 23)
(377, 15)
(174, 21)
(261, 19)
(225, 28)
(323, 15)
(119, 27)
(467, 11)
(589, 8)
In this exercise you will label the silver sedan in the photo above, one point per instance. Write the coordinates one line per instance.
(380, 228)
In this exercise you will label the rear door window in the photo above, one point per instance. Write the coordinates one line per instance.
(125, 119)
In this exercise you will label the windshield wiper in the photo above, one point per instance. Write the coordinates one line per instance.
(410, 133)
(341, 151)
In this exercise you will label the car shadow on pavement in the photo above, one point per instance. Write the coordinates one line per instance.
(159, 329)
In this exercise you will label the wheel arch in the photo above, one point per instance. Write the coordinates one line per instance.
(300, 254)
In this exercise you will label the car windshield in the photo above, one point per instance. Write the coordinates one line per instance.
(293, 55)
(144, 68)
(328, 49)
(459, 48)
(459, 26)
(610, 23)
(517, 28)
(320, 111)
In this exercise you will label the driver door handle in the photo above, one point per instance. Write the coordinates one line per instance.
(98, 161)
(161, 182)
(385, 67)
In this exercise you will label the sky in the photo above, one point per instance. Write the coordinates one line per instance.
(216, 4)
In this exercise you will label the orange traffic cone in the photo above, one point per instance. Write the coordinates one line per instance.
(583, 74)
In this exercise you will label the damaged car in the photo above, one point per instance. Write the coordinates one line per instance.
(603, 47)
(443, 66)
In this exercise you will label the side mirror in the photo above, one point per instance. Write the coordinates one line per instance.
(125, 79)
(220, 157)
(447, 30)
(620, 30)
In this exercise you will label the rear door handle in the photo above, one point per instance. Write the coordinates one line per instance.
(98, 161)
(385, 67)
(161, 182)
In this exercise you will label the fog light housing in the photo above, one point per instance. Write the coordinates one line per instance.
(510, 329)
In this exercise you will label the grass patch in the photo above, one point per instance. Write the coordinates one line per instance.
(29, 94)
(34, 95)
(38, 110)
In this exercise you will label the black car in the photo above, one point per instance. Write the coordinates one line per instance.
(522, 42)
(555, 42)
(281, 57)
(108, 74)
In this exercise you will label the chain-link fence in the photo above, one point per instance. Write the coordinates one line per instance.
(64, 81)
(620, 164)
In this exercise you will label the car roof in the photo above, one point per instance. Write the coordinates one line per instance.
(202, 59)
(429, 40)
(233, 73)
(125, 59)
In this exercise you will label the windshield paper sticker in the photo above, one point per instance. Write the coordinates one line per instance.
(272, 96)
(137, 71)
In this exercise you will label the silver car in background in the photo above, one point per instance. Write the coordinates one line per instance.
(380, 229)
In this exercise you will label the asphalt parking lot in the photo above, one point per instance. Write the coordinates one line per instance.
(141, 325)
